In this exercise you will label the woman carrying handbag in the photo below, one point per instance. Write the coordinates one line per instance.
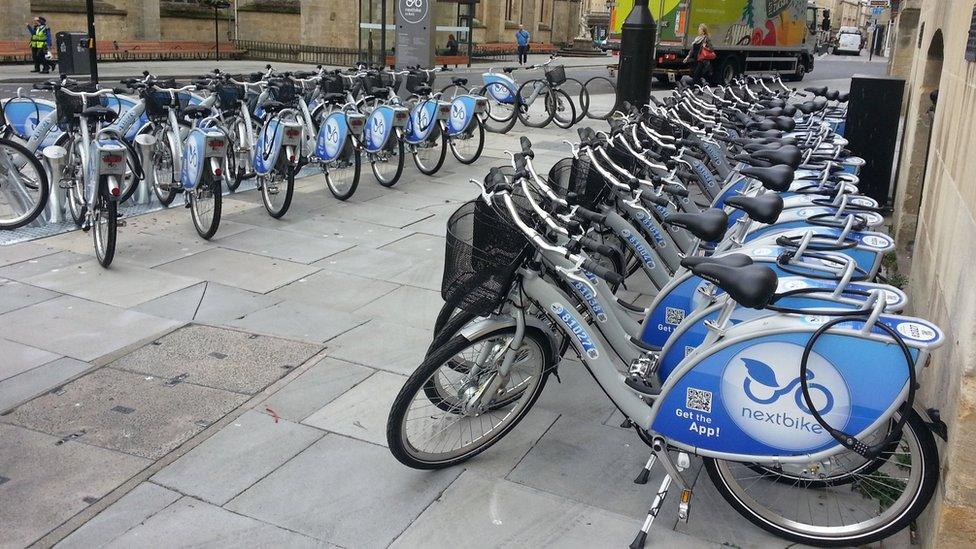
(701, 55)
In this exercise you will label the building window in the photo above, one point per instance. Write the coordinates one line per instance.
(971, 40)
(921, 32)
(509, 5)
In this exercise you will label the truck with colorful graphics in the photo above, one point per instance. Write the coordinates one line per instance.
(749, 36)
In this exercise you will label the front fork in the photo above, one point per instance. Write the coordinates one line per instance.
(495, 383)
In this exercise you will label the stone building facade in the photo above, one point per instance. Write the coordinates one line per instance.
(935, 225)
(312, 22)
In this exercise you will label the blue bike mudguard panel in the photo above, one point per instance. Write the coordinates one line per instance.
(24, 114)
(195, 155)
(379, 127)
(500, 87)
(746, 398)
(423, 118)
(127, 117)
(332, 136)
(462, 114)
(268, 147)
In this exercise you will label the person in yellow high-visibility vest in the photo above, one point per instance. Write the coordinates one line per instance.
(40, 42)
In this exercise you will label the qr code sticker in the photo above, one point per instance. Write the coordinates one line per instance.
(673, 316)
(699, 400)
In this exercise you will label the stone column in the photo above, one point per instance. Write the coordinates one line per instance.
(16, 15)
(143, 19)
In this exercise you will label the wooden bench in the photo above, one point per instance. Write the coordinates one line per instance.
(439, 60)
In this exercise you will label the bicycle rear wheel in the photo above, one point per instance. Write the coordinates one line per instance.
(452, 90)
(561, 106)
(342, 174)
(24, 185)
(205, 204)
(601, 97)
(429, 155)
(278, 187)
(387, 164)
(164, 170)
(575, 90)
(500, 117)
(468, 145)
(105, 219)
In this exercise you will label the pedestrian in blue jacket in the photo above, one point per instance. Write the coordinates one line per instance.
(522, 40)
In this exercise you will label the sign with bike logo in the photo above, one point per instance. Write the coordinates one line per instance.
(414, 34)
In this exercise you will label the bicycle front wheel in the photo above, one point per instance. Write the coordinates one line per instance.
(105, 225)
(24, 185)
(533, 104)
(864, 507)
(432, 424)
(205, 204)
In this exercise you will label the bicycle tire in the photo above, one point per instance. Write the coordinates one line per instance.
(215, 186)
(597, 114)
(382, 179)
(455, 89)
(288, 180)
(495, 123)
(105, 241)
(582, 98)
(355, 165)
(162, 148)
(558, 102)
(135, 167)
(522, 109)
(42, 186)
(441, 139)
(478, 134)
(415, 385)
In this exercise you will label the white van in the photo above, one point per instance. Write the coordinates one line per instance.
(848, 41)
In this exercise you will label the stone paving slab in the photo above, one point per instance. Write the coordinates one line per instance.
(81, 329)
(17, 253)
(297, 320)
(407, 305)
(207, 302)
(46, 263)
(123, 285)
(423, 245)
(396, 218)
(239, 455)
(191, 522)
(14, 295)
(242, 270)
(335, 290)
(361, 412)
(218, 358)
(131, 413)
(19, 358)
(577, 396)
(330, 227)
(426, 274)
(403, 348)
(31, 383)
(314, 388)
(135, 247)
(343, 491)
(49, 481)
(284, 245)
(369, 262)
(485, 512)
(144, 501)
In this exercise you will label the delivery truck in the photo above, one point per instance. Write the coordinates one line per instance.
(749, 36)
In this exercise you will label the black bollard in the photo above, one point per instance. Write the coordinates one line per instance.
(637, 61)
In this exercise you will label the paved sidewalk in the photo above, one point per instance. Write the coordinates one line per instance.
(235, 392)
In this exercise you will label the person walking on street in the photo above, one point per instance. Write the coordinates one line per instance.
(701, 54)
(522, 40)
(40, 42)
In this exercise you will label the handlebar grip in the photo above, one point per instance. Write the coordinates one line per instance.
(655, 199)
(602, 272)
(686, 143)
(598, 247)
(526, 147)
(496, 180)
(519, 159)
(591, 216)
(675, 190)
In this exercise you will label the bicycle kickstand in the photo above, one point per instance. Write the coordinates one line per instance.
(672, 470)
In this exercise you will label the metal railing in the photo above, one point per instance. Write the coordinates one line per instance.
(298, 53)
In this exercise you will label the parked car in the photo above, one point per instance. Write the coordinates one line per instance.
(849, 41)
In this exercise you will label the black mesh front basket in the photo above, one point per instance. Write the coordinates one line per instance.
(556, 75)
(571, 179)
(70, 106)
(157, 101)
(482, 254)
(229, 95)
(419, 79)
(285, 92)
(332, 83)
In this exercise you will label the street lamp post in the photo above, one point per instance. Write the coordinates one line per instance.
(92, 53)
(217, 5)
(637, 42)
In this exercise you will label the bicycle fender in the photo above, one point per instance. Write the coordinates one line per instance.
(483, 326)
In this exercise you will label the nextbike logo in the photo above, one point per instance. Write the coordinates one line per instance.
(332, 137)
(590, 299)
(377, 130)
(704, 175)
(413, 11)
(639, 248)
(645, 220)
(459, 115)
(762, 394)
(586, 343)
